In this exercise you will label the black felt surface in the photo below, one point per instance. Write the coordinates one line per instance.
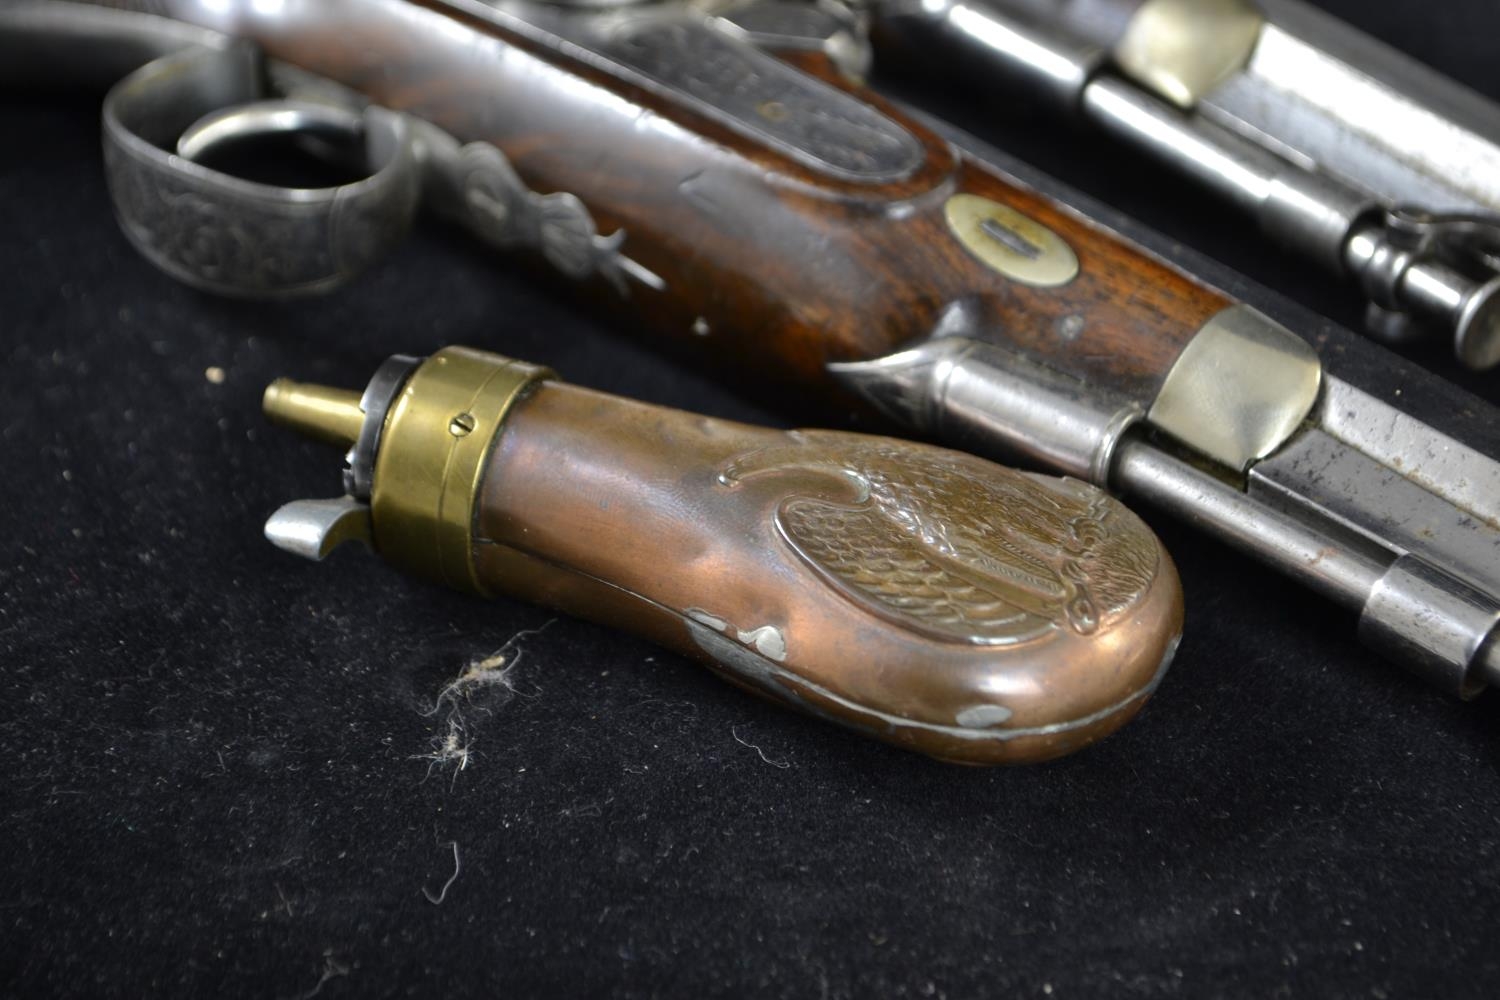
(215, 770)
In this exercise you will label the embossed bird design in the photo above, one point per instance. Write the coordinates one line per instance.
(962, 550)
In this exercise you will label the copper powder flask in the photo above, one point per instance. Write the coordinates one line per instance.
(922, 596)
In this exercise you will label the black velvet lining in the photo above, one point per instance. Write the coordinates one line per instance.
(219, 760)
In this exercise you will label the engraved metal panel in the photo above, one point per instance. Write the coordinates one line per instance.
(763, 98)
(955, 548)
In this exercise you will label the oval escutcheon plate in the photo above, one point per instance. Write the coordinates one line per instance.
(1009, 242)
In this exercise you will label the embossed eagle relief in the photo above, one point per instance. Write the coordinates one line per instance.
(954, 547)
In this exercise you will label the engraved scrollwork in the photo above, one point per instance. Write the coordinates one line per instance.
(503, 211)
(225, 235)
(759, 95)
(959, 549)
(185, 230)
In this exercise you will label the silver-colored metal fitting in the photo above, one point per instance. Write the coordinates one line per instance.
(1039, 416)
(1477, 340)
(1040, 56)
(1314, 214)
(1426, 271)
(385, 384)
(233, 236)
(1239, 389)
(998, 402)
(1445, 629)
(1378, 264)
(834, 29)
(1182, 49)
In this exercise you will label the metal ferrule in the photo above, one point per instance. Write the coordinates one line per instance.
(1048, 419)
(984, 398)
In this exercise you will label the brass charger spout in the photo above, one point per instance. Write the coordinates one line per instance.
(329, 415)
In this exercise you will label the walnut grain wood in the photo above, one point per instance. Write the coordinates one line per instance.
(922, 596)
(784, 267)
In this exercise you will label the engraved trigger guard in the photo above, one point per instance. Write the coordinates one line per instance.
(224, 234)
(232, 236)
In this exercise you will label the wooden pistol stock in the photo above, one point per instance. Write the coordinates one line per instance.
(758, 205)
